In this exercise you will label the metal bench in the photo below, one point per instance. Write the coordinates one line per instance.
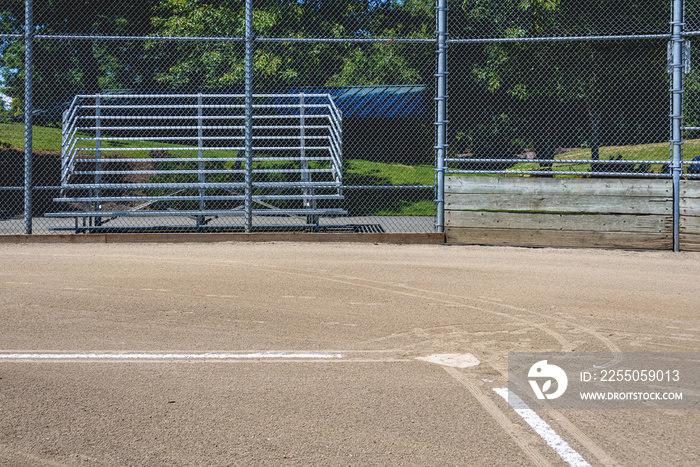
(181, 155)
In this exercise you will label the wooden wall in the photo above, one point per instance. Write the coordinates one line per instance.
(690, 215)
(561, 212)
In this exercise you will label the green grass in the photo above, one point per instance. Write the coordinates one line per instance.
(654, 151)
(45, 139)
(49, 139)
(418, 208)
(639, 152)
(363, 172)
(387, 174)
(355, 171)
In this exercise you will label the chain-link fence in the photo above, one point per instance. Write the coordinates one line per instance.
(691, 93)
(164, 115)
(568, 88)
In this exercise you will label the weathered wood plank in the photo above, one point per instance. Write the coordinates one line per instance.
(690, 215)
(542, 221)
(691, 238)
(691, 206)
(559, 203)
(690, 224)
(689, 212)
(560, 238)
(547, 186)
(690, 188)
(689, 242)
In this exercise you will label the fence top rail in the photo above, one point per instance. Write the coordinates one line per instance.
(196, 95)
(557, 172)
(618, 37)
(138, 38)
(558, 161)
(193, 106)
(393, 40)
(405, 40)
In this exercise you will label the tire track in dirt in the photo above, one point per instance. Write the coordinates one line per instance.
(524, 439)
(482, 398)
(565, 344)
(16, 457)
(448, 299)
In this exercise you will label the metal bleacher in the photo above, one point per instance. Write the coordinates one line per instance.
(178, 162)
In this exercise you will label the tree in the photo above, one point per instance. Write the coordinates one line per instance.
(65, 67)
(540, 92)
(293, 63)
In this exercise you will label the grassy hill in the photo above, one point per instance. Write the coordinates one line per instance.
(365, 172)
(355, 171)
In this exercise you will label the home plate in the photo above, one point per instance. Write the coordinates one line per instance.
(457, 360)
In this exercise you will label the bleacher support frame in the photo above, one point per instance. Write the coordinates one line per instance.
(302, 132)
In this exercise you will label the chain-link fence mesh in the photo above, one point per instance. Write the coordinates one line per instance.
(691, 97)
(518, 19)
(569, 108)
(139, 108)
(691, 15)
(691, 146)
(387, 132)
(12, 138)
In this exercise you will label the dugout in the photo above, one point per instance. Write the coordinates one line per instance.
(382, 123)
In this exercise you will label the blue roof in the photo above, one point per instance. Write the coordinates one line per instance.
(353, 101)
(367, 101)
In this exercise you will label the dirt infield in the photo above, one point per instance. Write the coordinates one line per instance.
(379, 306)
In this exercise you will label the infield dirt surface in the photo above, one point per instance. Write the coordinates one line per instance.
(380, 306)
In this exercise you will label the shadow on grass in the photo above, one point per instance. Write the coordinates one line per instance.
(46, 165)
(382, 201)
(46, 170)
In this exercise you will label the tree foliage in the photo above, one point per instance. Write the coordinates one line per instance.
(535, 95)
(66, 67)
(505, 96)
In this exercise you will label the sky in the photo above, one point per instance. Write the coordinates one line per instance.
(5, 101)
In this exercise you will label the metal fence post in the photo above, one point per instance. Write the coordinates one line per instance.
(200, 163)
(98, 155)
(28, 137)
(441, 114)
(677, 113)
(304, 164)
(248, 116)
